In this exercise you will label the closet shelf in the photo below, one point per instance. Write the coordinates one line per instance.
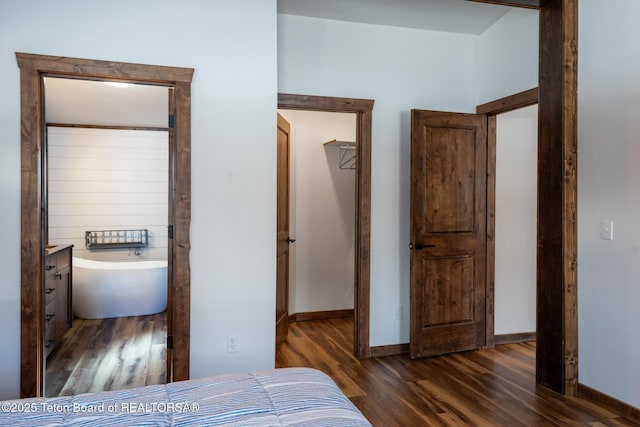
(347, 149)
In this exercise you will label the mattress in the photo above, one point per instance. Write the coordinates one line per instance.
(280, 397)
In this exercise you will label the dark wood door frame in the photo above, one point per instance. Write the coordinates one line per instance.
(363, 110)
(557, 257)
(33, 204)
(492, 109)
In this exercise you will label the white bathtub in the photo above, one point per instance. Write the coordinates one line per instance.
(118, 289)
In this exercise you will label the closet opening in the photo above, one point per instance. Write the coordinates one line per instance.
(357, 115)
(322, 165)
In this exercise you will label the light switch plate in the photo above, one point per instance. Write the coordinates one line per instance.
(606, 230)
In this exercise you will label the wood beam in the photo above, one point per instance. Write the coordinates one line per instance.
(556, 362)
(529, 4)
(509, 103)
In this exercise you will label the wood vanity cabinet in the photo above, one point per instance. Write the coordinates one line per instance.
(58, 313)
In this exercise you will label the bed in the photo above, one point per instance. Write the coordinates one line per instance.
(280, 397)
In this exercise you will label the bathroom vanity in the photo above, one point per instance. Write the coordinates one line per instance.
(58, 314)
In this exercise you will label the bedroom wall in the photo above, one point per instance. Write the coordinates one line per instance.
(608, 177)
(507, 56)
(233, 155)
(322, 220)
(516, 220)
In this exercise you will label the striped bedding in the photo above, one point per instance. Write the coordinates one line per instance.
(280, 397)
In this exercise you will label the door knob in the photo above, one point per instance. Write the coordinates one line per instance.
(291, 240)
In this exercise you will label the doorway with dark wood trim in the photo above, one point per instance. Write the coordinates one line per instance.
(453, 273)
(33, 205)
(491, 110)
(363, 110)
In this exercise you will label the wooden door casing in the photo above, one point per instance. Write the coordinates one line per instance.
(33, 202)
(363, 109)
(282, 254)
(448, 232)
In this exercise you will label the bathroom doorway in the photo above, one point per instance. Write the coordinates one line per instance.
(106, 192)
(34, 68)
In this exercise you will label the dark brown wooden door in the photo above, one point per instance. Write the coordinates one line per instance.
(448, 232)
(282, 256)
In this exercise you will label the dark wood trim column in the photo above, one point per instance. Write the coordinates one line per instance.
(181, 298)
(557, 346)
(32, 236)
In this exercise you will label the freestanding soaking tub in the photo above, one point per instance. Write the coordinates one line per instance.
(118, 289)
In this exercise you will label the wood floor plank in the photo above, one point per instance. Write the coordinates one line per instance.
(494, 387)
(108, 354)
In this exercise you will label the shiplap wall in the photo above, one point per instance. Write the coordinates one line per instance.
(107, 179)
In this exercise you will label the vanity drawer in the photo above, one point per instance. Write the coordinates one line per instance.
(50, 265)
(49, 327)
(50, 290)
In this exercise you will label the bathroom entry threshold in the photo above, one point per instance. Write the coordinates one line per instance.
(108, 354)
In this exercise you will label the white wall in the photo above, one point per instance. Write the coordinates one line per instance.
(400, 69)
(232, 46)
(608, 189)
(507, 56)
(322, 213)
(516, 221)
(107, 179)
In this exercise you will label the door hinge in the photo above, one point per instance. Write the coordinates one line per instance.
(172, 121)
(170, 231)
(170, 342)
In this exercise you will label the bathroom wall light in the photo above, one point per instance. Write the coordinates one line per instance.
(118, 84)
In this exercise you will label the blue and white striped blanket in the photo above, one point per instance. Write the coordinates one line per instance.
(280, 397)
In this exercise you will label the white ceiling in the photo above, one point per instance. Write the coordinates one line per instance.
(457, 16)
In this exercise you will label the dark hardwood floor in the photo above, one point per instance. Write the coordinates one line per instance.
(481, 388)
(108, 354)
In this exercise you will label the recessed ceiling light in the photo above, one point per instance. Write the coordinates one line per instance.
(119, 84)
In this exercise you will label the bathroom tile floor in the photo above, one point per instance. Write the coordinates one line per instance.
(108, 354)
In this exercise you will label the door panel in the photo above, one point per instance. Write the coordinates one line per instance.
(282, 255)
(449, 285)
(449, 169)
(448, 232)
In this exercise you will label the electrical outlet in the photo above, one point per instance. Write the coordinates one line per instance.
(233, 345)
